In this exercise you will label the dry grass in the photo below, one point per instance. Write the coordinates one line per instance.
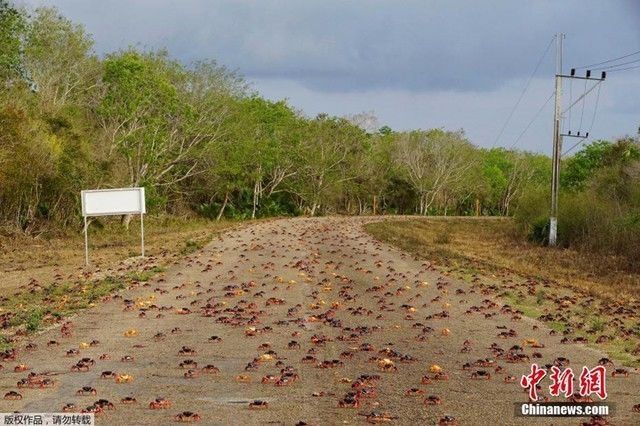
(24, 258)
(596, 286)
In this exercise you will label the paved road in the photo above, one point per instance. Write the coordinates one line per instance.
(325, 284)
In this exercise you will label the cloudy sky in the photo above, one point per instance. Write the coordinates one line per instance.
(415, 64)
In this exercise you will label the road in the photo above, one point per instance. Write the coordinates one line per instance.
(325, 284)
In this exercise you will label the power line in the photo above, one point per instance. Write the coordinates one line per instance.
(532, 121)
(616, 65)
(593, 119)
(608, 61)
(625, 69)
(524, 90)
(595, 110)
(584, 99)
(572, 147)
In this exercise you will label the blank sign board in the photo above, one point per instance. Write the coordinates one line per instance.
(105, 202)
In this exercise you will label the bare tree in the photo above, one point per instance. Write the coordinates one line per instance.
(432, 161)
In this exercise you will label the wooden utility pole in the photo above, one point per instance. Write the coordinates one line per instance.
(557, 145)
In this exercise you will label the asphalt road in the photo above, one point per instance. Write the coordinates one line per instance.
(277, 292)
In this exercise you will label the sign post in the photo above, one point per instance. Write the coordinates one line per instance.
(112, 202)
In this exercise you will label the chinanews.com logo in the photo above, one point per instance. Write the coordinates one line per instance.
(592, 382)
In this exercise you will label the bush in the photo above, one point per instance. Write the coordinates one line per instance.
(603, 217)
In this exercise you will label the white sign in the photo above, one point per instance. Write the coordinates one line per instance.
(112, 202)
(105, 202)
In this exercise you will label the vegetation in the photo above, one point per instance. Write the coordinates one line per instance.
(203, 144)
(599, 206)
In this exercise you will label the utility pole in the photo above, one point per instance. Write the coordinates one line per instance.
(557, 135)
(557, 145)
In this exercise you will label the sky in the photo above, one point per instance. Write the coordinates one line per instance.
(413, 64)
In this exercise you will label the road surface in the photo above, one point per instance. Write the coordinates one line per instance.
(291, 294)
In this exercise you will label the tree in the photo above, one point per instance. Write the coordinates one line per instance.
(433, 161)
(326, 145)
(13, 24)
(59, 60)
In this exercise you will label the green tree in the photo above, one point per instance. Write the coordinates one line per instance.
(13, 24)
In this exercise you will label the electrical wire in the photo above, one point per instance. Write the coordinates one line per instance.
(532, 120)
(595, 110)
(608, 61)
(625, 69)
(570, 101)
(572, 148)
(593, 119)
(616, 65)
(584, 99)
(524, 90)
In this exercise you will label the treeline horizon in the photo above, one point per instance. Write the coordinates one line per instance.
(201, 142)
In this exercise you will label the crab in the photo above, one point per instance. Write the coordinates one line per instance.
(160, 403)
(309, 359)
(93, 409)
(188, 363)
(432, 400)
(350, 400)
(269, 379)
(80, 367)
(107, 375)
(481, 375)
(243, 378)
(387, 365)
(86, 390)
(185, 350)
(414, 392)
(605, 362)
(448, 421)
(123, 378)
(20, 368)
(636, 408)
(187, 417)
(128, 400)
(367, 392)
(293, 345)
(258, 404)
(104, 404)
(127, 358)
(12, 396)
(441, 376)
(620, 372)
(286, 379)
(69, 407)
(210, 369)
(191, 374)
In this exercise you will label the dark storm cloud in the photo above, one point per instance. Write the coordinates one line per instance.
(417, 64)
(367, 44)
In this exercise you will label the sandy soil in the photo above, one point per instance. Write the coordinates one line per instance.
(276, 282)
